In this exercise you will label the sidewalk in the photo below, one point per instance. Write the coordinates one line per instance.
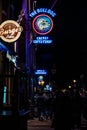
(35, 124)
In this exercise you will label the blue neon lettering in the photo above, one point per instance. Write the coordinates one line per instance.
(42, 41)
(42, 10)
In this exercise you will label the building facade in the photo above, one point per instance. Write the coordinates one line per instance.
(16, 77)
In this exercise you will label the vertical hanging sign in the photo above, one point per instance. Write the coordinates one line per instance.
(42, 24)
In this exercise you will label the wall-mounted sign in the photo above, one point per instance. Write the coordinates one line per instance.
(10, 31)
(42, 24)
(40, 72)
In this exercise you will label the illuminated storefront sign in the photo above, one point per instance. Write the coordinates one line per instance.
(42, 24)
(10, 31)
(43, 72)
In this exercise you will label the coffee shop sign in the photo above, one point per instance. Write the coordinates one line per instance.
(10, 31)
(42, 24)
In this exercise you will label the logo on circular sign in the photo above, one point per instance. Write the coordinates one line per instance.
(42, 24)
(10, 31)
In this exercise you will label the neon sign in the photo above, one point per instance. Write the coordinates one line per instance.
(42, 24)
(42, 10)
(10, 31)
(43, 72)
(42, 40)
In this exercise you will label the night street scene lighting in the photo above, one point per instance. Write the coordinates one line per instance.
(43, 50)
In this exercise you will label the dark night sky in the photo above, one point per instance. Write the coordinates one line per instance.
(69, 51)
(65, 50)
(69, 48)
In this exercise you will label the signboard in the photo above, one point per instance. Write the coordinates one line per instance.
(42, 25)
(10, 31)
(40, 72)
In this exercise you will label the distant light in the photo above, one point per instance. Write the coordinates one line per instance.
(74, 81)
(48, 88)
(69, 86)
(63, 90)
(40, 78)
(41, 83)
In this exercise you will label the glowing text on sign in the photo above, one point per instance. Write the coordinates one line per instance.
(41, 40)
(43, 72)
(42, 10)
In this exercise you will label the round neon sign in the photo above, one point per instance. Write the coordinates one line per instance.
(42, 24)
